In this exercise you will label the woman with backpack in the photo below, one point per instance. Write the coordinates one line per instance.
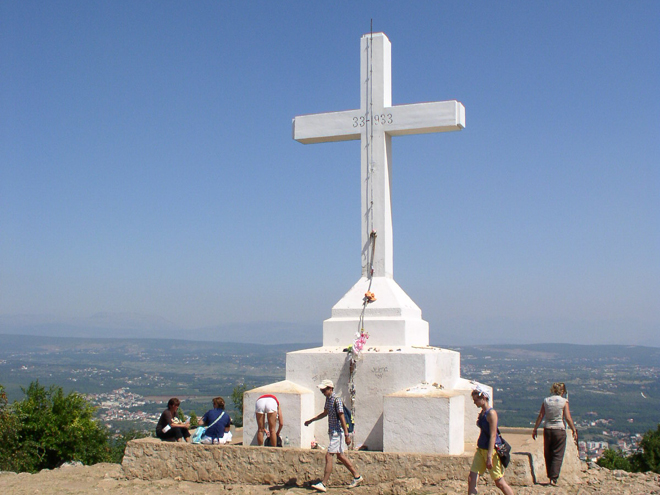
(486, 458)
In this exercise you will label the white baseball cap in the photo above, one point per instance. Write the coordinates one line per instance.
(326, 384)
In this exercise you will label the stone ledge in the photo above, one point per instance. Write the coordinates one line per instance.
(151, 459)
(522, 443)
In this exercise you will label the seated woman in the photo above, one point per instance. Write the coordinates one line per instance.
(217, 422)
(167, 428)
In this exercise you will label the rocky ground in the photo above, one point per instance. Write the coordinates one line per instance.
(109, 478)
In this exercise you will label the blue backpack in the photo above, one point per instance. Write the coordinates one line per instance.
(347, 416)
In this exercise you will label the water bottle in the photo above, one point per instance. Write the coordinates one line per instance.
(286, 441)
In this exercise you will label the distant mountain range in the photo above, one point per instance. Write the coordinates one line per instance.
(445, 332)
(138, 326)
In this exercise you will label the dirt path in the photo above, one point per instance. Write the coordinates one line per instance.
(109, 478)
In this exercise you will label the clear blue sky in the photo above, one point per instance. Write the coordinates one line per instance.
(147, 169)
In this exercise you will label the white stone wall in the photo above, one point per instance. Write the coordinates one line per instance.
(424, 419)
(380, 371)
(297, 404)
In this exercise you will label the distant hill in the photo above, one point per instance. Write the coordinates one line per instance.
(133, 325)
(534, 354)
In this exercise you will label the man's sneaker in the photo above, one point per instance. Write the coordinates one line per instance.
(320, 487)
(356, 482)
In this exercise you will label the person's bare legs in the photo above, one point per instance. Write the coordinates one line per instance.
(344, 460)
(260, 428)
(272, 427)
(502, 485)
(328, 468)
(472, 483)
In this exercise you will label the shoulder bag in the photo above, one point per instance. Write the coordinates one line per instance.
(503, 450)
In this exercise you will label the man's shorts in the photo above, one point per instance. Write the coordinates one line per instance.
(265, 405)
(337, 443)
(479, 464)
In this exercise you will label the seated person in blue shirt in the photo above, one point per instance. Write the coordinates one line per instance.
(217, 422)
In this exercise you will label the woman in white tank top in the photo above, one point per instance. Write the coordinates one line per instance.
(555, 411)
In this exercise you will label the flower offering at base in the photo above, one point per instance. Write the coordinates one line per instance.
(360, 340)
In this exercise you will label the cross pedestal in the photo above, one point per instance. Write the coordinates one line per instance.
(392, 320)
(397, 373)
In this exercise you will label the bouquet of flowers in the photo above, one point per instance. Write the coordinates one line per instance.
(358, 344)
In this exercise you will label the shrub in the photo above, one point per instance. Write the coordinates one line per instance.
(237, 399)
(48, 428)
(647, 458)
(9, 452)
(613, 459)
(194, 422)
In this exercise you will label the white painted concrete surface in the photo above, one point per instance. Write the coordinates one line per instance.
(397, 319)
(380, 371)
(297, 404)
(397, 356)
(425, 419)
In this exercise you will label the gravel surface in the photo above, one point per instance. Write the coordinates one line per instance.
(109, 478)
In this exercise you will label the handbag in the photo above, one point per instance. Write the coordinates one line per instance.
(503, 450)
(199, 433)
(201, 430)
(267, 441)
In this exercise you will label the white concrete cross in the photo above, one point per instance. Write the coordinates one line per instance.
(374, 124)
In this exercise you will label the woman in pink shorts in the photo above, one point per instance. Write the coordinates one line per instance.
(268, 407)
